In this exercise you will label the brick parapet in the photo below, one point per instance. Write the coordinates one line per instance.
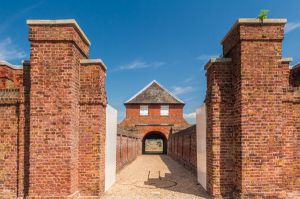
(10, 76)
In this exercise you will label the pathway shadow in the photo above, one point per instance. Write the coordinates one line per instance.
(178, 180)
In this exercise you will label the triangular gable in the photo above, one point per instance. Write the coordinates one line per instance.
(154, 93)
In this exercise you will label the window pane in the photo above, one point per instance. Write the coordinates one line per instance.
(143, 110)
(164, 110)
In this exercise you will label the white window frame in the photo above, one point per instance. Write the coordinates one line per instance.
(164, 110)
(144, 110)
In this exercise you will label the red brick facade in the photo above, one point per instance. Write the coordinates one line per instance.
(252, 133)
(54, 120)
(154, 121)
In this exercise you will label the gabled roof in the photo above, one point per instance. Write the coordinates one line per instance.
(154, 93)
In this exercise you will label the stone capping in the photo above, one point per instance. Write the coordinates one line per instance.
(253, 21)
(287, 59)
(93, 61)
(296, 66)
(14, 67)
(60, 22)
(216, 60)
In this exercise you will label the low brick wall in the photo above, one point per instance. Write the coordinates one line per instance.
(128, 148)
(183, 148)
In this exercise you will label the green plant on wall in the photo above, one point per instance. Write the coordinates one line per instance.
(263, 15)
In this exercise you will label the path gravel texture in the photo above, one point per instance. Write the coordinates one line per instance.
(155, 177)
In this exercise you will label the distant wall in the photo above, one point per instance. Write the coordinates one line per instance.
(183, 148)
(201, 145)
(110, 146)
(128, 148)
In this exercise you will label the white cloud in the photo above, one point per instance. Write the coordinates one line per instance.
(188, 80)
(178, 90)
(205, 57)
(138, 64)
(189, 115)
(289, 27)
(9, 51)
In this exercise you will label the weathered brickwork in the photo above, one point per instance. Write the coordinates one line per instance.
(183, 148)
(9, 131)
(53, 114)
(128, 148)
(92, 117)
(10, 77)
(251, 134)
(154, 121)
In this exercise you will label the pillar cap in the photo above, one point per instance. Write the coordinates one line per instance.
(60, 22)
(93, 61)
(215, 60)
(253, 21)
(296, 66)
(287, 59)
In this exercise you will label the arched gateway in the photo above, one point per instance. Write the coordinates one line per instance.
(154, 142)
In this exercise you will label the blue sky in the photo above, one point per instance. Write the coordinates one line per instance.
(142, 40)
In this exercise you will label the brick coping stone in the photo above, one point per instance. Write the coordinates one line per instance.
(93, 61)
(253, 21)
(60, 22)
(15, 67)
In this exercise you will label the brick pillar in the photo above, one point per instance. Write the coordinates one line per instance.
(292, 169)
(258, 110)
(57, 46)
(219, 137)
(92, 128)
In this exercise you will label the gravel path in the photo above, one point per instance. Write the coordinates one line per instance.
(153, 177)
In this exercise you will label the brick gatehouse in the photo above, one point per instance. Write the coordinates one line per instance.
(153, 113)
(52, 117)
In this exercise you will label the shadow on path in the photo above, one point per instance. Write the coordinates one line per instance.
(179, 179)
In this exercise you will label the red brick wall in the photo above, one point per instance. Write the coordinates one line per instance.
(128, 148)
(10, 77)
(92, 131)
(53, 118)
(182, 146)
(9, 131)
(219, 131)
(250, 134)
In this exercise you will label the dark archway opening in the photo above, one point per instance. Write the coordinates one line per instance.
(155, 143)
